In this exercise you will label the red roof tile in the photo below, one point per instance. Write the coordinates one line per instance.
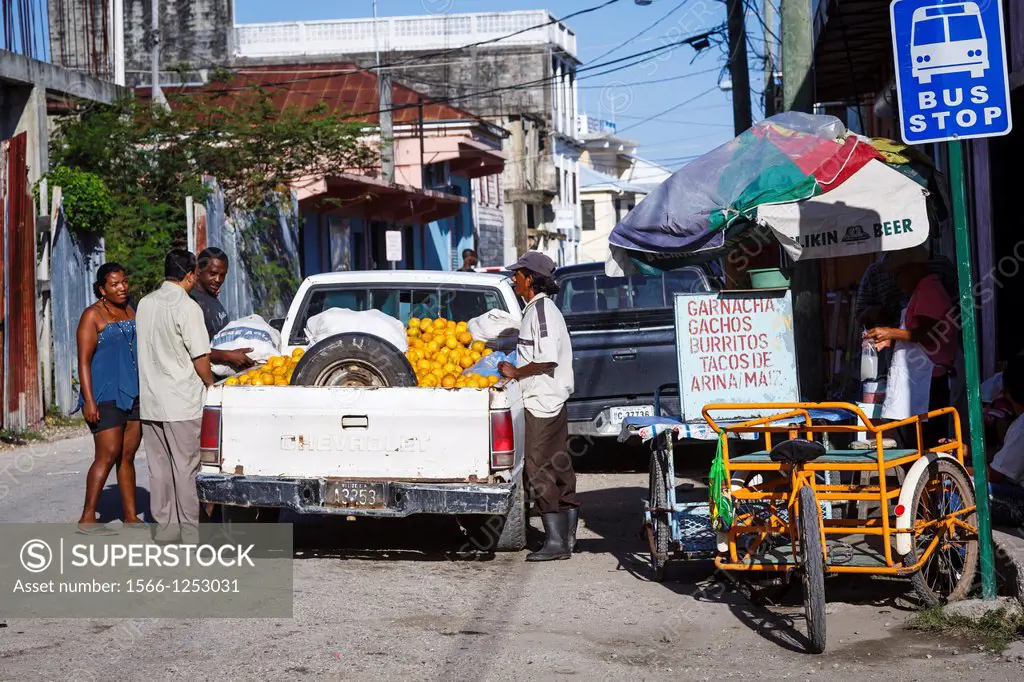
(344, 88)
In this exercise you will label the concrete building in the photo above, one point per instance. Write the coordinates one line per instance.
(525, 83)
(605, 201)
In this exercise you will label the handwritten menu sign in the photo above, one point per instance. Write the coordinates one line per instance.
(735, 347)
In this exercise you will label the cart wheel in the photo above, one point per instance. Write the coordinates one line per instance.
(659, 531)
(948, 574)
(812, 561)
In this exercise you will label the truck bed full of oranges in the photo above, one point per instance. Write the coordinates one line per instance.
(441, 350)
(276, 371)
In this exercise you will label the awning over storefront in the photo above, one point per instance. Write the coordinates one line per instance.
(465, 156)
(374, 199)
(853, 49)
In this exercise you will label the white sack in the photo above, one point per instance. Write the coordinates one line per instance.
(342, 320)
(247, 332)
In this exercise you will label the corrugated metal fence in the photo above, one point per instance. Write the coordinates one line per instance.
(263, 250)
(72, 271)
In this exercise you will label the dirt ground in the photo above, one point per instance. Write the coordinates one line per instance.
(390, 600)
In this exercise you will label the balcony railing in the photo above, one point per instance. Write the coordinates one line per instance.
(435, 32)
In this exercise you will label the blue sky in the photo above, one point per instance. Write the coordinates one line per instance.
(628, 96)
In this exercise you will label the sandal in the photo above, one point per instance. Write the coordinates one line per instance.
(137, 525)
(95, 529)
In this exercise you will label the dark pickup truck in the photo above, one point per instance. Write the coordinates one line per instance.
(623, 342)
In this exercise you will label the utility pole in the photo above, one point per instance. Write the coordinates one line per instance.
(158, 94)
(768, 12)
(805, 282)
(387, 134)
(797, 56)
(117, 29)
(741, 116)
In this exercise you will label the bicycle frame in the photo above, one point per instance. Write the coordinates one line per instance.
(780, 493)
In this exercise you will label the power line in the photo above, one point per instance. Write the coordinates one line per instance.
(669, 110)
(656, 23)
(651, 82)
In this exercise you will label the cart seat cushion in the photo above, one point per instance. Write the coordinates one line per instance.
(829, 456)
(797, 451)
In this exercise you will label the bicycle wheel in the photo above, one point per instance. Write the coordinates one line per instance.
(659, 532)
(949, 571)
(812, 563)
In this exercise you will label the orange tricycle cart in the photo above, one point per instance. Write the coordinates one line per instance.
(915, 518)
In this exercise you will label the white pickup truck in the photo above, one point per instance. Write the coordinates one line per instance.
(358, 438)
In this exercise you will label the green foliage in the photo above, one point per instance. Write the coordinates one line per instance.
(88, 203)
(151, 159)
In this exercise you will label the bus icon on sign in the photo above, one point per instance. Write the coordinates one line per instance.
(948, 39)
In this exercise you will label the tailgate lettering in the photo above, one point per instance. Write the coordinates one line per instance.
(353, 443)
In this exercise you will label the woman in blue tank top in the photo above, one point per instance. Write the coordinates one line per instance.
(109, 400)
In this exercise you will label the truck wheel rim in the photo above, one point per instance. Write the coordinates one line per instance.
(351, 374)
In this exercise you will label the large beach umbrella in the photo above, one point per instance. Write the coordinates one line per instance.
(824, 192)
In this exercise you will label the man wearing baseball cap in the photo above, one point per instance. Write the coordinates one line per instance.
(544, 370)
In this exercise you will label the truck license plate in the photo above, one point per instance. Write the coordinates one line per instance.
(619, 414)
(355, 494)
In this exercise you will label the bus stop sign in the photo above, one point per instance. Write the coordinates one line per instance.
(951, 73)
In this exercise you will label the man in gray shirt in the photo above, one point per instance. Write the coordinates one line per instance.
(174, 370)
(213, 270)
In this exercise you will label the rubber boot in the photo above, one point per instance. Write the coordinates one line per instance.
(574, 520)
(556, 530)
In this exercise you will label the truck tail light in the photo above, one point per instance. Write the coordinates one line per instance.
(503, 440)
(209, 437)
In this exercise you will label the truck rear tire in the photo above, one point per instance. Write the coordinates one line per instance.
(499, 533)
(354, 360)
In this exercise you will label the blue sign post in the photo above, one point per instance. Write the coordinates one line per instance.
(952, 83)
(951, 73)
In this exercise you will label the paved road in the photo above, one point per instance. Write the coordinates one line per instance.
(372, 604)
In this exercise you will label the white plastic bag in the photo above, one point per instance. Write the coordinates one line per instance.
(342, 320)
(494, 324)
(247, 332)
(868, 362)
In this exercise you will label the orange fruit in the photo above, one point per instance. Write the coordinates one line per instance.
(479, 346)
(258, 381)
(452, 342)
(465, 338)
(276, 361)
(448, 381)
(427, 337)
(493, 379)
(426, 324)
(297, 353)
(440, 323)
(416, 342)
(452, 368)
(476, 356)
(244, 380)
(466, 361)
(438, 372)
(424, 365)
(280, 381)
(232, 381)
(267, 378)
(462, 326)
(486, 351)
(414, 323)
(280, 371)
(413, 333)
(430, 381)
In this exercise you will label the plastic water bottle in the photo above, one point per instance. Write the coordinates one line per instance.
(868, 361)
